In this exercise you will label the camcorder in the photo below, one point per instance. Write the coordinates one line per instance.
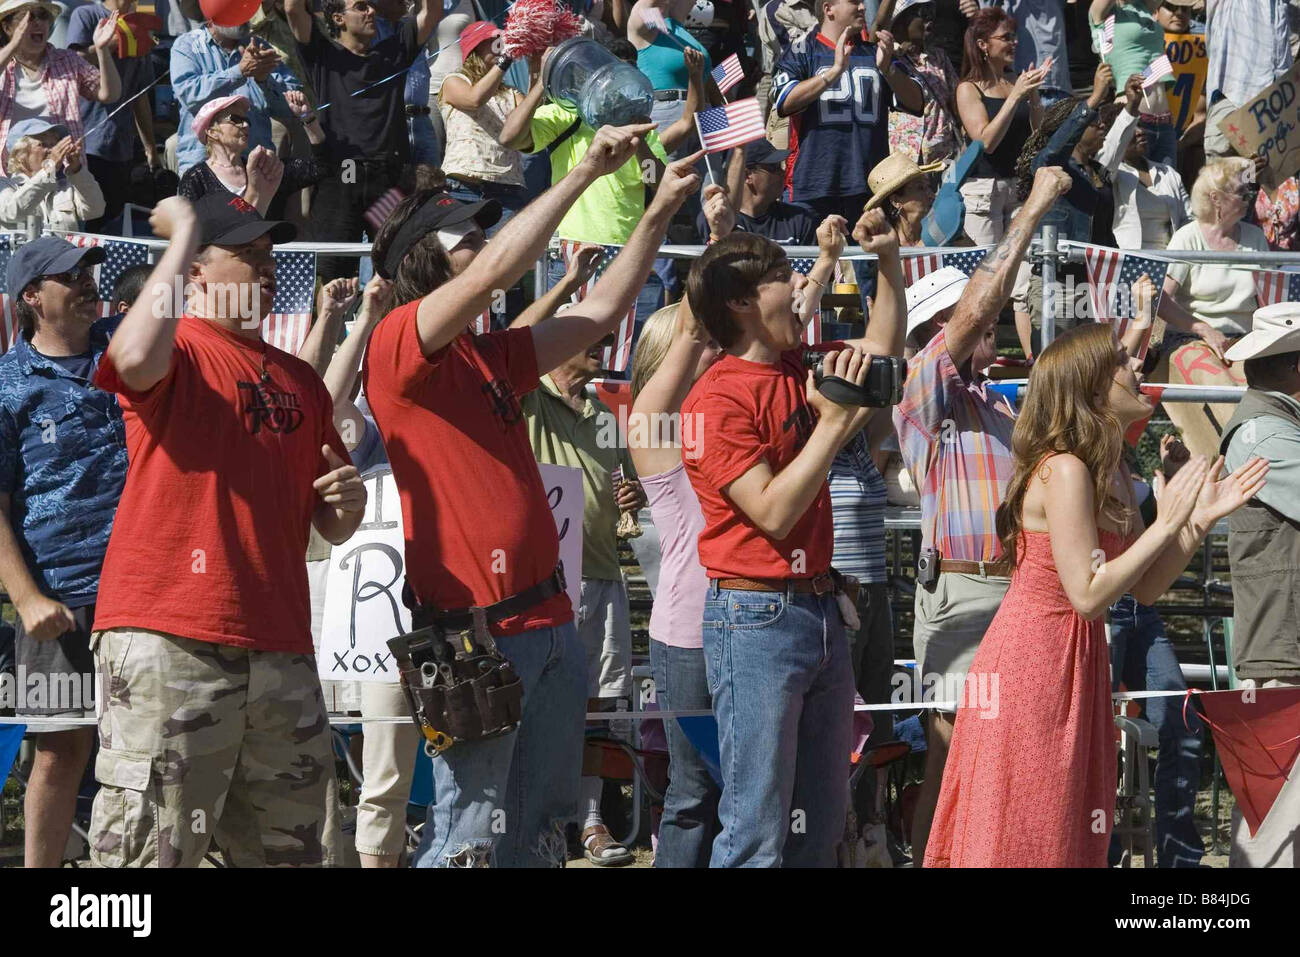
(883, 386)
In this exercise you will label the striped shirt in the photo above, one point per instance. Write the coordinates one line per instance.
(858, 513)
(955, 437)
(65, 78)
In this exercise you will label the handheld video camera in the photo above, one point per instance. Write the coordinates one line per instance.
(883, 386)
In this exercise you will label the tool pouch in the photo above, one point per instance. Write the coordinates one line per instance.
(458, 685)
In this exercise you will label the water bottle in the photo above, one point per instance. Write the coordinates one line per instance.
(583, 76)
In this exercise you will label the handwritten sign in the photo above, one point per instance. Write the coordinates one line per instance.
(1186, 52)
(1270, 124)
(363, 591)
(564, 492)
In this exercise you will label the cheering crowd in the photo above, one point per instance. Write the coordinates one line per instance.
(172, 483)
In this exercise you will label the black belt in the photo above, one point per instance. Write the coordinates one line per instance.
(670, 96)
(461, 619)
(417, 111)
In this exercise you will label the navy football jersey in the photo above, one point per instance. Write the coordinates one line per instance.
(839, 138)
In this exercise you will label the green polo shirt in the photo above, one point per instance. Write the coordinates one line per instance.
(589, 441)
(609, 209)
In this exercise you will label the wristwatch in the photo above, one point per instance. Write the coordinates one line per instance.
(503, 62)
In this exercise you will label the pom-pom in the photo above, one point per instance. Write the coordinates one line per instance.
(534, 25)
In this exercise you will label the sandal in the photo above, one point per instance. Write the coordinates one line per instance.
(599, 847)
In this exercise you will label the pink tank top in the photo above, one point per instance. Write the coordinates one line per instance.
(679, 601)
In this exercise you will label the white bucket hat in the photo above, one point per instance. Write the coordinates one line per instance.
(932, 293)
(1276, 329)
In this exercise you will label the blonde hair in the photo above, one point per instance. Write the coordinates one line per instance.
(1216, 176)
(652, 345)
(1061, 412)
(20, 154)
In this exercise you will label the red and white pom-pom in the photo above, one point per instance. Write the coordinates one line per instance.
(534, 25)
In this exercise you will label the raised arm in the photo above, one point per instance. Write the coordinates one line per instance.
(457, 91)
(194, 85)
(299, 17)
(656, 448)
(582, 266)
(1121, 131)
(906, 90)
(614, 295)
(331, 305)
(110, 82)
(517, 131)
(975, 118)
(806, 92)
(672, 136)
(427, 15)
(443, 314)
(982, 301)
(141, 349)
(887, 327)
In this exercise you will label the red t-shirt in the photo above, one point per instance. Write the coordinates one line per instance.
(748, 412)
(477, 523)
(210, 534)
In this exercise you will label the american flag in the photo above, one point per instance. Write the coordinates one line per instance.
(1159, 68)
(734, 124)
(383, 207)
(295, 287)
(1108, 35)
(119, 255)
(1274, 286)
(1111, 271)
(617, 356)
(728, 73)
(916, 266)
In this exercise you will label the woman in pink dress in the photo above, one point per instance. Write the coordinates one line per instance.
(1030, 780)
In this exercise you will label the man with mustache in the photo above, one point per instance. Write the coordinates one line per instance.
(62, 466)
(213, 727)
(217, 61)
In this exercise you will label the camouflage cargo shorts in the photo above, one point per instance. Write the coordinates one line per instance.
(204, 744)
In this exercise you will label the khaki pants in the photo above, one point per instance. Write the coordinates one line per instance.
(204, 744)
(950, 624)
(387, 766)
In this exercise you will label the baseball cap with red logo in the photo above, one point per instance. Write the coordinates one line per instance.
(476, 33)
(228, 220)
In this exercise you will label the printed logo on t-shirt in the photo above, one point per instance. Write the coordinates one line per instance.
(504, 401)
(801, 421)
(267, 406)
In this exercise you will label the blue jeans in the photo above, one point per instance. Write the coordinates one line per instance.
(782, 688)
(1162, 142)
(650, 298)
(511, 198)
(425, 145)
(1142, 657)
(691, 803)
(504, 801)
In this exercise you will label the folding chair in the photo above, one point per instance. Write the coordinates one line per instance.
(1136, 826)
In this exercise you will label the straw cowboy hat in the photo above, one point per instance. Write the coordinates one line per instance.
(1276, 329)
(893, 173)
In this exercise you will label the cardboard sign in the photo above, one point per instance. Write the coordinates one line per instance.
(1270, 123)
(1186, 52)
(564, 492)
(363, 592)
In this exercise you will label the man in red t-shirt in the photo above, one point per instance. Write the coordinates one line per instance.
(213, 726)
(480, 540)
(776, 655)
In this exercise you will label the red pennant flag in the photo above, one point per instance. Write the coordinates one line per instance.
(1255, 734)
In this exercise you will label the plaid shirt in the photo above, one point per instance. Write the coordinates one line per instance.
(65, 77)
(955, 437)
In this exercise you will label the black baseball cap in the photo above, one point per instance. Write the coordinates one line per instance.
(438, 212)
(226, 220)
(46, 256)
(762, 153)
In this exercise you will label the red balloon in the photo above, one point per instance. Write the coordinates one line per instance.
(229, 13)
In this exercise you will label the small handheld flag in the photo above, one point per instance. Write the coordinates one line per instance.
(735, 124)
(728, 73)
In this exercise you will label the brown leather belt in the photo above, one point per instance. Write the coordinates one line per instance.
(983, 569)
(821, 585)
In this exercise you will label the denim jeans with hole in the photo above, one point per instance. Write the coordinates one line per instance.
(1142, 657)
(782, 688)
(690, 818)
(504, 801)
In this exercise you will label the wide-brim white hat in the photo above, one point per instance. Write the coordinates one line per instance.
(1276, 329)
(932, 293)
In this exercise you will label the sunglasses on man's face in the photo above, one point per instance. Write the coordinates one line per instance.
(69, 278)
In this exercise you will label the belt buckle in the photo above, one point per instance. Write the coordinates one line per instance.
(823, 584)
(983, 572)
